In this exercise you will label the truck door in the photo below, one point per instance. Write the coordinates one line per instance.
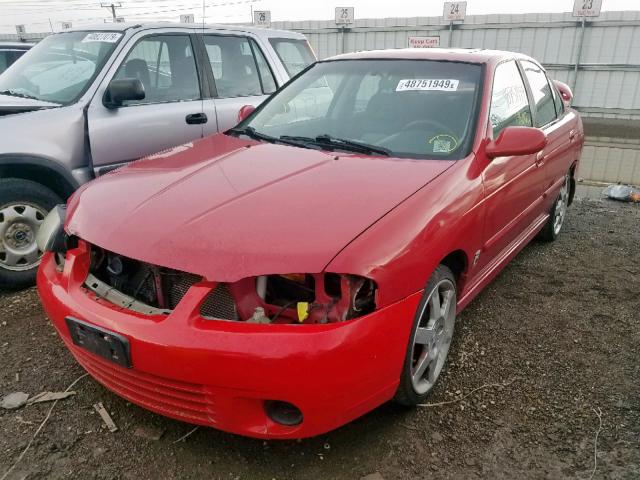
(171, 112)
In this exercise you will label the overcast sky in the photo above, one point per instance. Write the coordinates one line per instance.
(44, 15)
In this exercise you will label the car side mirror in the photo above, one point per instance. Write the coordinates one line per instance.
(245, 111)
(517, 141)
(565, 92)
(121, 90)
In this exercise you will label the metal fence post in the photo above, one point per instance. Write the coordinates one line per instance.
(450, 34)
(579, 54)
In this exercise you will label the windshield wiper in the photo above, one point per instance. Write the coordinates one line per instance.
(253, 133)
(341, 144)
(13, 93)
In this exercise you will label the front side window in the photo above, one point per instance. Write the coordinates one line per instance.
(409, 108)
(61, 67)
(239, 68)
(509, 103)
(166, 67)
(542, 95)
(295, 55)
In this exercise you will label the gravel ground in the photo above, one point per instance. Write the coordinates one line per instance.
(560, 326)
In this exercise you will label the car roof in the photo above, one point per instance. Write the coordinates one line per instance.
(17, 45)
(469, 55)
(122, 26)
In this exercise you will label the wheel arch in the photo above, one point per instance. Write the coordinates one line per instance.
(458, 262)
(41, 170)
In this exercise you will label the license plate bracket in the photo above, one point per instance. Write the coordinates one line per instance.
(99, 341)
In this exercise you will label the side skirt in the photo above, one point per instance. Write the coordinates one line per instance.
(489, 272)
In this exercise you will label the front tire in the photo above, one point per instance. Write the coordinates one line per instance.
(430, 338)
(558, 213)
(23, 206)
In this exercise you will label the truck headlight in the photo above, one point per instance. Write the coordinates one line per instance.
(51, 236)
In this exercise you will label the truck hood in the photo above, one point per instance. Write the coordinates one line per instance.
(10, 104)
(227, 208)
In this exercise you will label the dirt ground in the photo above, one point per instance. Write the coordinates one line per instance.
(560, 325)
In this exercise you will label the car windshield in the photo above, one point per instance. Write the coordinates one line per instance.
(59, 68)
(401, 108)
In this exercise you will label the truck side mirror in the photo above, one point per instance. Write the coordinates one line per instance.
(121, 90)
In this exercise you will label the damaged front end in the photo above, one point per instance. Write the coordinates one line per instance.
(298, 298)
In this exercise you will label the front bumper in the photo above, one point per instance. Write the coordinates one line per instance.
(219, 373)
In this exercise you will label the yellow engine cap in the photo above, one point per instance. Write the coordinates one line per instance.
(303, 311)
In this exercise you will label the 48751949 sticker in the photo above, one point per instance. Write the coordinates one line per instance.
(442, 84)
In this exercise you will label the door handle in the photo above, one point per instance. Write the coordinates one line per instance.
(572, 135)
(540, 158)
(196, 118)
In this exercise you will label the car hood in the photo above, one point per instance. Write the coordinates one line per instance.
(10, 104)
(227, 208)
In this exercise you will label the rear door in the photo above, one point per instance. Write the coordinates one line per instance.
(171, 112)
(240, 73)
(513, 185)
(559, 126)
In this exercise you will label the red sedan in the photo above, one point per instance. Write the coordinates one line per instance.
(297, 271)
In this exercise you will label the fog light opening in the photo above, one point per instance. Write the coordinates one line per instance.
(283, 413)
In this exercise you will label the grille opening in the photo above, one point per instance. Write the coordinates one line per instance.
(275, 298)
(157, 289)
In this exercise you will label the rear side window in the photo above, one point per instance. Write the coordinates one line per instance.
(542, 95)
(295, 55)
(239, 67)
(509, 103)
(166, 67)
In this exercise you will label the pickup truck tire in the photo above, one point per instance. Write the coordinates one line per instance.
(23, 206)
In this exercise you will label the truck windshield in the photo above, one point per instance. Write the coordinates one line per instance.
(402, 108)
(60, 68)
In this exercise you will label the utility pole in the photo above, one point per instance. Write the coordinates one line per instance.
(112, 7)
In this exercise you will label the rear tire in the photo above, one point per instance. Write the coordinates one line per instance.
(430, 338)
(558, 213)
(23, 206)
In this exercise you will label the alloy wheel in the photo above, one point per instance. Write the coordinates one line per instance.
(433, 336)
(562, 202)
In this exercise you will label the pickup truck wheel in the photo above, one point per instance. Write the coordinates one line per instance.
(23, 206)
(558, 213)
(430, 338)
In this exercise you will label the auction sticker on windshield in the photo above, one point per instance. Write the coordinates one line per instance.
(108, 37)
(408, 84)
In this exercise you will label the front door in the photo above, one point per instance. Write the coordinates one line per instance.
(171, 112)
(513, 185)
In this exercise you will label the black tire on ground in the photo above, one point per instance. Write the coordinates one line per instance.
(406, 394)
(549, 232)
(15, 190)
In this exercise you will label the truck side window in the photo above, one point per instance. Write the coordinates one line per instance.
(239, 67)
(509, 103)
(295, 55)
(166, 67)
